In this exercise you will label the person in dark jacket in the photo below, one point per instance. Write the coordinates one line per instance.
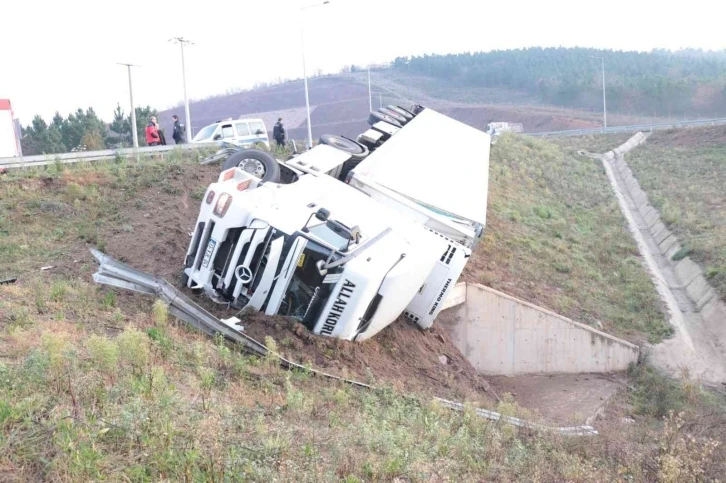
(177, 135)
(278, 132)
(152, 133)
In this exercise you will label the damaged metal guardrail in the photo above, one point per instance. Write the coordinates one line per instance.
(116, 274)
(104, 155)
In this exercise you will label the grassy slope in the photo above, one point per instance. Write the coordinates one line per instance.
(92, 385)
(556, 237)
(684, 175)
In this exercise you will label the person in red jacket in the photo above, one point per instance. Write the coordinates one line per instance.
(152, 133)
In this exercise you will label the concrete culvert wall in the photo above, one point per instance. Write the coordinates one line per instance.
(502, 335)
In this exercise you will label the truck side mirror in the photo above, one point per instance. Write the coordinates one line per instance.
(259, 132)
(217, 137)
(322, 214)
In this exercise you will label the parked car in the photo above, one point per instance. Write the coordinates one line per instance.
(241, 132)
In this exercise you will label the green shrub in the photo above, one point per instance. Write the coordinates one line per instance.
(134, 348)
(104, 353)
(160, 312)
(543, 212)
(681, 254)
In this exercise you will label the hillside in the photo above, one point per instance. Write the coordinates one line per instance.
(339, 105)
(684, 174)
(661, 82)
(546, 89)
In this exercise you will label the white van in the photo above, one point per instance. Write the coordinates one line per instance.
(242, 132)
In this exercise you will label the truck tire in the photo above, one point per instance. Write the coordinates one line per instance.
(401, 120)
(375, 117)
(400, 112)
(357, 150)
(255, 162)
(416, 109)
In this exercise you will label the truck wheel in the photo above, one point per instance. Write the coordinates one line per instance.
(357, 151)
(375, 117)
(401, 120)
(400, 112)
(255, 162)
(416, 109)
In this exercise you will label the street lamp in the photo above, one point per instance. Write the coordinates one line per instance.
(370, 96)
(133, 109)
(182, 42)
(604, 106)
(305, 76)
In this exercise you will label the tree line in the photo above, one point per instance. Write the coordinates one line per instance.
(661, 81)
(83, 131)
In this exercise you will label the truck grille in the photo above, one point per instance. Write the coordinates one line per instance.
(191, 256)
(203, 244)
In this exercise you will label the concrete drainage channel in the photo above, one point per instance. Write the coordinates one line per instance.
(698, 348)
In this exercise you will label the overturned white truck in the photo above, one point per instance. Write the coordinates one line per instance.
(350, 234)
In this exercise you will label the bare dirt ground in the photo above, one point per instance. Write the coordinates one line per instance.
(401, 355)
(562, 399)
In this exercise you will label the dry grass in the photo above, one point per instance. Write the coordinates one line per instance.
(95, 384)
(555, 236)
(683, 172)
(149, 400)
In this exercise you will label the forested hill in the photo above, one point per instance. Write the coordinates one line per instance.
(659, 81)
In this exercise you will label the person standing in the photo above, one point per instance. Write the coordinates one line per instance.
(152, 133)
(278, 132)
(177, 134)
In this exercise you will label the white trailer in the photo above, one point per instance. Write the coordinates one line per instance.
(9, 135)
(346, 258)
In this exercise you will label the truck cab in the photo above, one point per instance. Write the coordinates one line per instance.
(314, 250)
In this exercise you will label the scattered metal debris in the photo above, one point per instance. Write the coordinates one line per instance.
(8, 281)
(42, 269)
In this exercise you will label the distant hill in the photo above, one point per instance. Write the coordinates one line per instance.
(659, 82)
(545, 89)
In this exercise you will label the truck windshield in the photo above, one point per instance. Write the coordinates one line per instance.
(307, 293)
(329, 236)
(205, 133)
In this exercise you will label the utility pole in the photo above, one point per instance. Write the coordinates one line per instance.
(305, 76)
(370, 97)
(134, 133)
(604, 105)
(182, 42)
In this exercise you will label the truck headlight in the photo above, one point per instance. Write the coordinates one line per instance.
(222, 205)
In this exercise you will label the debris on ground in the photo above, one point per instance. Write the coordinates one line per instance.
(8, 281)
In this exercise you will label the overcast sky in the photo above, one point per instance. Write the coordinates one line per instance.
(61, 55)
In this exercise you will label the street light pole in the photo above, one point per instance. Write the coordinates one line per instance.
(604, 105)
(305, 75)
(182, 42)
(370, 96)
(134, 133)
